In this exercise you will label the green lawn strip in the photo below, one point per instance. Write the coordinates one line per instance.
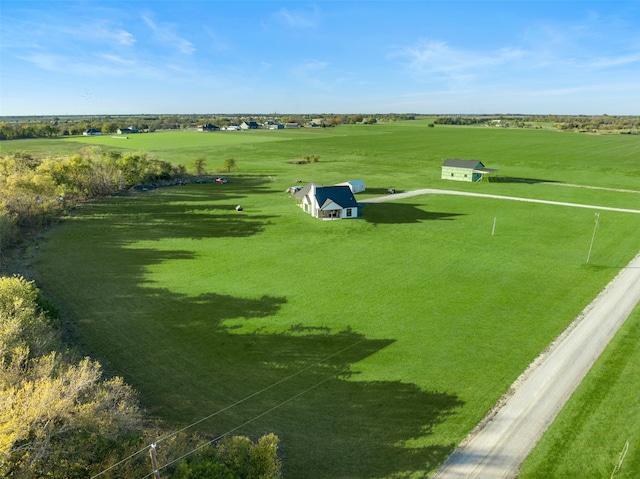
(589, 436)
(404, 326)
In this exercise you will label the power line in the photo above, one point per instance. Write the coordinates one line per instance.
(164, 438)
(120, 462)
(167, 436)
(247, 422)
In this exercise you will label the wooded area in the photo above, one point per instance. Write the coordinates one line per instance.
(60, 416)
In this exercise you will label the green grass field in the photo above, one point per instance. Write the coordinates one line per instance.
(374, 345)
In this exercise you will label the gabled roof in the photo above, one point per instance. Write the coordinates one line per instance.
(340, 195)
(469, 164)
(304, 191)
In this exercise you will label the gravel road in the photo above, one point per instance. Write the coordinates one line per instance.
(497, 447)
(500, 444)
(433, 191)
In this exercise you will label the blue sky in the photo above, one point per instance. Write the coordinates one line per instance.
(476, 57)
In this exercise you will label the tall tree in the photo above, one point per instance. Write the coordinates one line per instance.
(229, 164)
(200, 165)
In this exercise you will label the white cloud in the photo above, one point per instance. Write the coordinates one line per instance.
(165, 34)
(298, 19)
(437, 58)
(616, 61)
(124, 38)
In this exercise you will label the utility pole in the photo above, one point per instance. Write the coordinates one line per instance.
(595, 228)
(154, 462)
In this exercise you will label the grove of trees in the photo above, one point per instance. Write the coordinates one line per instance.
(33, 191)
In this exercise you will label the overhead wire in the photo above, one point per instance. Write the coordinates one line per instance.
(170, 435)
(264, 413)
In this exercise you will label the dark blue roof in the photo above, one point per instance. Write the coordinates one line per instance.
(340, 195)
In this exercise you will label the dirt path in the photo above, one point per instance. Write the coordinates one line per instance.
(497, 447)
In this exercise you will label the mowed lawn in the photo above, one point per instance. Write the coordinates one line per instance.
(371, 346)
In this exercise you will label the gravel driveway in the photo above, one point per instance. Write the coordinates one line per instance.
(502, 441)
(497, 447)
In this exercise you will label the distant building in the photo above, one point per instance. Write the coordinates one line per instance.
(91, 132)
(464, 170)
(249, 125)
(356, 186)
(207, 127)
(127, 131)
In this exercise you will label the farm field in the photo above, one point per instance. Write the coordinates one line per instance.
(371, 346)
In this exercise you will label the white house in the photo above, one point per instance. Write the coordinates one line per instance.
(356, 186)
(91, 132)
(327, 202)
(126, 131)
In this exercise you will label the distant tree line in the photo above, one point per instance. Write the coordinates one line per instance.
(14, 128)
(600, 123)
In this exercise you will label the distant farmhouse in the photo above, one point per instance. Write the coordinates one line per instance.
(126, 131)
(464, 170)
(91, 132)
(208, 127)
(249, 125)
(272, 125)
(327, 202)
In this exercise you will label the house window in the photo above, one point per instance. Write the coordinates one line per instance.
(349, 212)
(451, 175)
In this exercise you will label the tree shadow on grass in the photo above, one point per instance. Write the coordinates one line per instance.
(401, 213)
(187, 363)
(506, 179)
(191, 211)
(302, 384)
(380, 191)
